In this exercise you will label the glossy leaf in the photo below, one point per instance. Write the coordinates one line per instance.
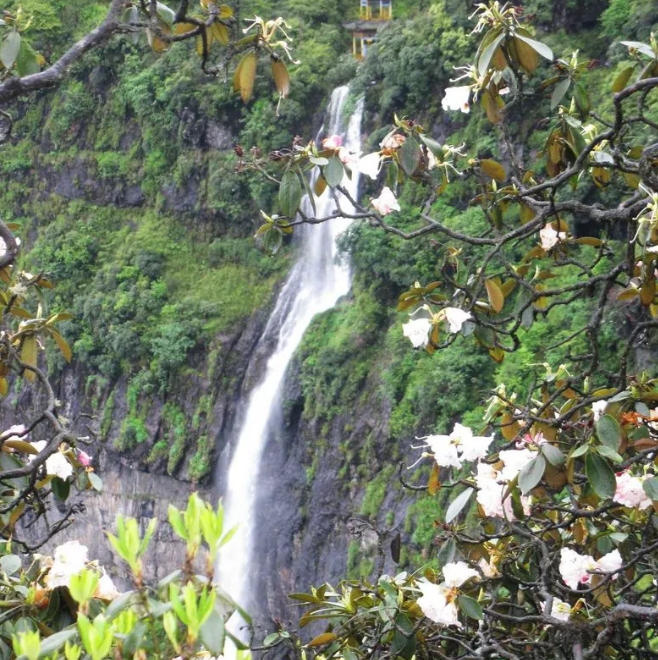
(10, 48)
(532, 473)
(290, 193)
(600, 475)
(458, 504)
(245, 76)
(334, 172)
(609, 432)
(470, 607)
(495, 295)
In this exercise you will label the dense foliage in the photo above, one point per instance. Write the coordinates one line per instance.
(545, 254)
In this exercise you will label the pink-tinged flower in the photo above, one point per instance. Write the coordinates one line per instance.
(435, 604)
(370, 164)
(577, 569)
(393, 142)
(348, 158)
(333, 142)
(549, 237)
(456, 98)
(489, 568)
(456, 318)
(630, 492)
(560, 610)
(84, 458)
(418, 332)
(444, 450)
(574, 568)
(386, 202)
(457, 573)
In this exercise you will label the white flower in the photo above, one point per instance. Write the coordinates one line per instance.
(435, 606)
(456, 573)
(598, 408)
(386, 202)
(549, 237)
(560, 610)
(333, 142)
(105, 590)
(444, 450)
(369, 165)
(456, 98)
(418, 332)
(610, 563)
(472, 448)
(15, 432)
(514, 461)
(460, 445)
(56, 465)
(491, 489)
(70, 558)
(456, 318)
(630, 492)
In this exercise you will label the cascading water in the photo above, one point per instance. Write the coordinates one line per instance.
(315, 284)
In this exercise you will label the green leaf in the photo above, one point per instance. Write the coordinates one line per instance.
(555, 457)
(611, 454)
(10, 564)
(470, 607)
(650, 486)
(290, 193)
(582, 98)
(559, 91)
(488, 53)
(55, 642)
(447, 553)
(120, 603)
(10, 48)
(95, 481)
(271, 639)
(579, 451)
(27, 61)
(60, 488)
(600, 475)
(212, 633)
(410, 155)
(433, 146)
(458, 504)
(334, 172)
(532, 473)
(538, 46)
(609, 431)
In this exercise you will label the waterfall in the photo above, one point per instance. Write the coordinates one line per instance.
(314, 285)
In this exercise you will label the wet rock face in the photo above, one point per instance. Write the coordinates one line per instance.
(133, 486)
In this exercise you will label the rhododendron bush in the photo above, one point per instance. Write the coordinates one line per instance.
(546, 538)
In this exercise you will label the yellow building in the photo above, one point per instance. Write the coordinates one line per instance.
(372, 14)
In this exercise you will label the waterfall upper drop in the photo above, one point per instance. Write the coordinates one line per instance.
(314, 285)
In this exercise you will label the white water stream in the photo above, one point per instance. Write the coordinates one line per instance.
(315, 284)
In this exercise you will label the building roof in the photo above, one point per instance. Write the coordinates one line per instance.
(365, 26)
